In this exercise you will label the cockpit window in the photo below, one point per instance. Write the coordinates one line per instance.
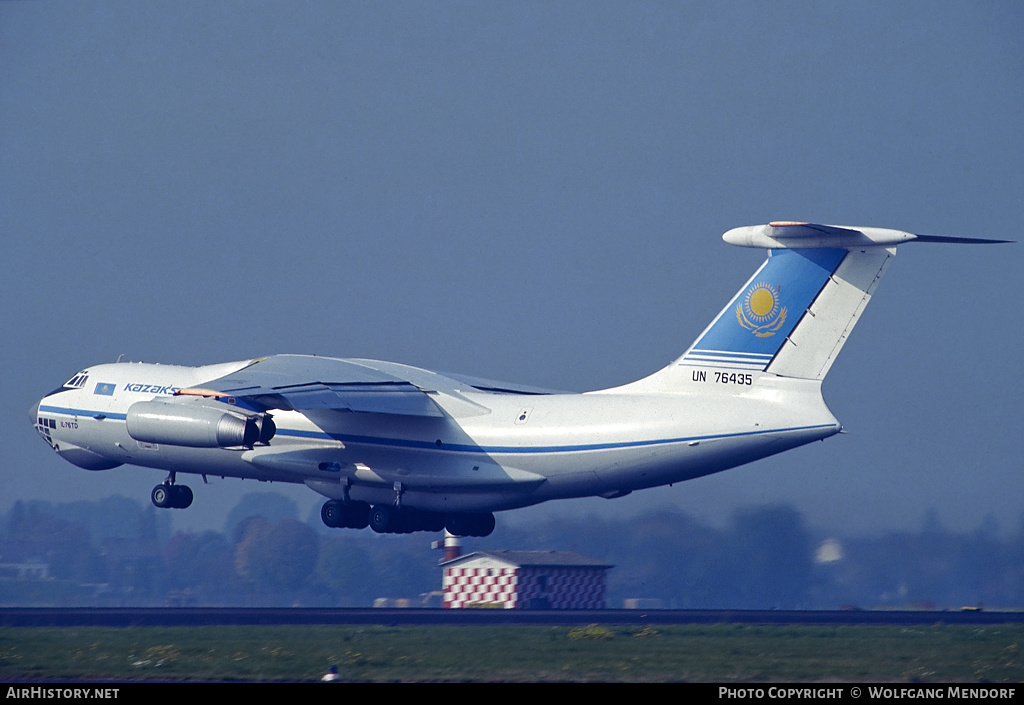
(77, 382)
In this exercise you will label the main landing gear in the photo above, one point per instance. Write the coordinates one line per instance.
(342, 515)
(168, 495)
(386, 519)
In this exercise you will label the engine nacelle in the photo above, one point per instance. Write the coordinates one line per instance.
(196, 425)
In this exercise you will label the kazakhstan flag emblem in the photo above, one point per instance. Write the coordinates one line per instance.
(760, 311)
(105, 388)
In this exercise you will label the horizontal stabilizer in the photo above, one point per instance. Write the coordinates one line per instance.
(958, 240)
(793, 235)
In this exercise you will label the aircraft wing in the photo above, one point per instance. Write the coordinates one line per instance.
(491, 385)
(306, 383)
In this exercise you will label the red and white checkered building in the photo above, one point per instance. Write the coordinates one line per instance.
(524, 579)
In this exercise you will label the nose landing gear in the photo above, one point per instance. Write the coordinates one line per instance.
(168, 495)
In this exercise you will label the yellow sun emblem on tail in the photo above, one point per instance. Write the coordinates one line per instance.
(760, 311)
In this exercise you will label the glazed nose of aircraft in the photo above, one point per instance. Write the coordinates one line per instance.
(34, 412)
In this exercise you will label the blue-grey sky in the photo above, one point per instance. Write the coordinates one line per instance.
(532, 191)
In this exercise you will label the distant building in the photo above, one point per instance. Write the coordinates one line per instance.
(524, 580)
(18, 560)
(27, 570)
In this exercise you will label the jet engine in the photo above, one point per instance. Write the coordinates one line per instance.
(197, 425)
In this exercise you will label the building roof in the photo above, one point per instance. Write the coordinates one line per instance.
(533, 559)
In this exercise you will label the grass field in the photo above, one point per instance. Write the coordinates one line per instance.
(720, 653)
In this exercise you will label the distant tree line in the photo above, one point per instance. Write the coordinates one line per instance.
(768, 558)
(117, 551)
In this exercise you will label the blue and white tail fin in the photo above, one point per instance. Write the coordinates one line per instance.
(758, 330)
(794, 315)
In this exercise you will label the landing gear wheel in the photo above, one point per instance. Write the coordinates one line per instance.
(163, 496)
(331, 513)
(383, 519)
(485, 525)
(419, 520)
(357, 515)
(470, 524)
(168, 496)
(341, 515)
(184, 498)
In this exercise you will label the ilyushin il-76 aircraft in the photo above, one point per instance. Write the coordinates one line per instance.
(402, 449)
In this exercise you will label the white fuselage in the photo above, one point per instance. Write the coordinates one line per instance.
(523, 449)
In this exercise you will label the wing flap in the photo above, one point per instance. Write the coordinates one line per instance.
(397, 398)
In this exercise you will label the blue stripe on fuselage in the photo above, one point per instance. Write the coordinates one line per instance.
(81, 412)
(468, 448)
